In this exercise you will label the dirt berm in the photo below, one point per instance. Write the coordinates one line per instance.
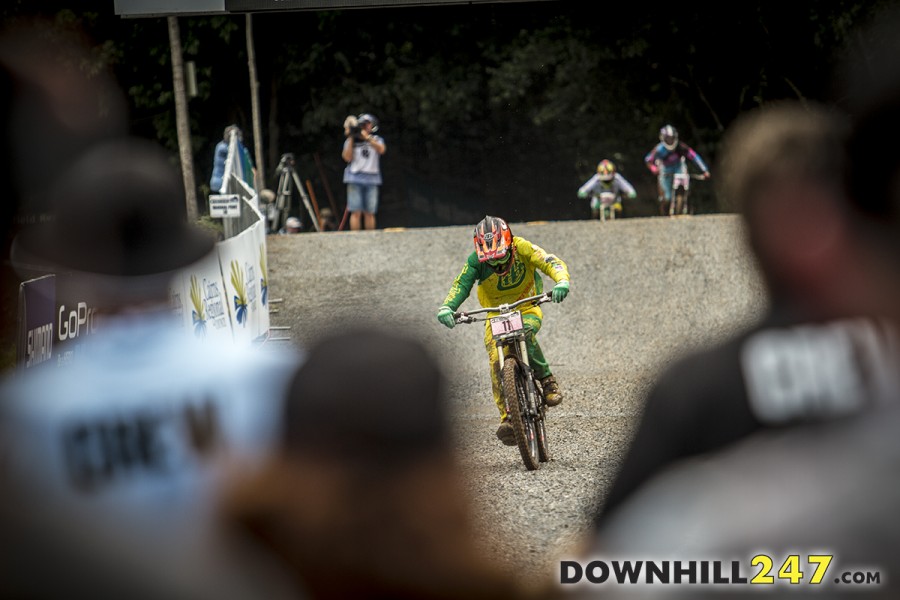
(643, 290)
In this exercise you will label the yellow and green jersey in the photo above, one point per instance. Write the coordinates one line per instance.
(521, 281)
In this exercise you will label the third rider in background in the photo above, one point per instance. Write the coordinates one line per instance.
(667, 158)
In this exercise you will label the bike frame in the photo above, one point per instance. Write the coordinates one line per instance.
(513, 342)
(606, 200)
(681, 185)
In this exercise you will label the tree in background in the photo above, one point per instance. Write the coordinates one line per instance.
(504, 105)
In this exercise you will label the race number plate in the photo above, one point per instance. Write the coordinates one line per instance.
(682, 180)
(506, 323)
(607, 198)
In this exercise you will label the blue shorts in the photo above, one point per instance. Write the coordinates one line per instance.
(362, 198)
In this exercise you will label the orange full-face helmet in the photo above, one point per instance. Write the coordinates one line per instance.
(494, 244)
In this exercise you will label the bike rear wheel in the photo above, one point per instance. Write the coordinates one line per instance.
(681, 205)
(515, 390)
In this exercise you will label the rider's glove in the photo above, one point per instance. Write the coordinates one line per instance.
(582, 195)
(445, 316)
(560, 291)
(653, 169)
(706, 175)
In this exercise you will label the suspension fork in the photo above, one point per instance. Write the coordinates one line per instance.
(519, 350)
(531, 389)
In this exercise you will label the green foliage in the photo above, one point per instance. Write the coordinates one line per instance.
(211, 225)
(491, 102)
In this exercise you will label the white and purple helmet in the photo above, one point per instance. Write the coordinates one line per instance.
(668, 135)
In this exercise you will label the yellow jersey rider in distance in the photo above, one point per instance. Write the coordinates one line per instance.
(505, 268)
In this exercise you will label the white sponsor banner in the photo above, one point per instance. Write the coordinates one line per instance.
(258, 234)
(223, 298)
(239, 257)
(201, 294)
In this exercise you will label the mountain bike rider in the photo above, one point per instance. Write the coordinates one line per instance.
(667, 158)
(606, 179)
(505, 267)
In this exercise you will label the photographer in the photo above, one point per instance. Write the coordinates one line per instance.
(362, 151)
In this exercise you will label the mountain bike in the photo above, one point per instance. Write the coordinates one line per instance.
(606, 203)
(681, 185)
(522, 393)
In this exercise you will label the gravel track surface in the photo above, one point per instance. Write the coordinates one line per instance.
(643, 290)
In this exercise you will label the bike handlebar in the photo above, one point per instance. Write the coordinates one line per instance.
(466, 316)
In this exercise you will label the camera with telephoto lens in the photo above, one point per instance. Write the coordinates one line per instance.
(353, 128)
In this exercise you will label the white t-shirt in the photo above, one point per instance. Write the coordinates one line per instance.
(137, 434)
(365, 166)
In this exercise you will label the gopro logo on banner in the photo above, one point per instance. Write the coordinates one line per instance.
(70, 326)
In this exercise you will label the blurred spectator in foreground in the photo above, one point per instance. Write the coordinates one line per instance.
(58, 99)
(366, 498)
(113, 462)
(825, 488)
(818, 489)
(55, 99)
(810, 357)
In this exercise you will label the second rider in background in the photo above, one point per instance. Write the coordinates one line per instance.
(505, 268)
(667, 158)
(606, 181)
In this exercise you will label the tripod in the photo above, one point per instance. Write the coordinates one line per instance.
(288, 180)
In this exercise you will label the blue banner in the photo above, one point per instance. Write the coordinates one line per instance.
(37, 311)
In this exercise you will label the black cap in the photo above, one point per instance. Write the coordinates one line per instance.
(368, 395)
(118, 211)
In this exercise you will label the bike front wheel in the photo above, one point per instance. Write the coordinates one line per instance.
(515, 389)
(541, 433)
